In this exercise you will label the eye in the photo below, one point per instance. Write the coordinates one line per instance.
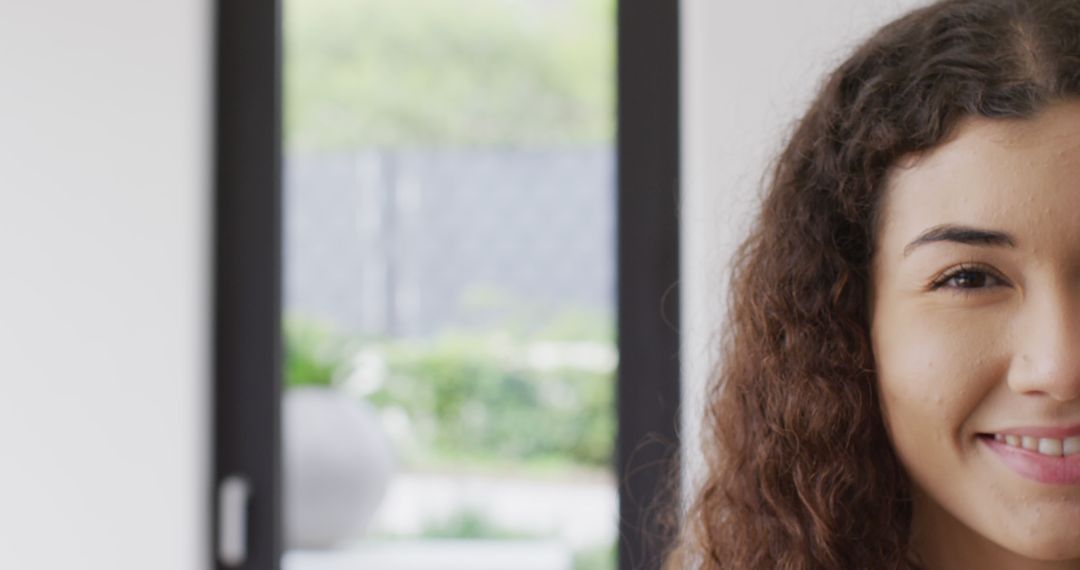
(967, 279)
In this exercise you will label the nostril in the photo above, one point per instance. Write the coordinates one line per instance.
(1054, 373)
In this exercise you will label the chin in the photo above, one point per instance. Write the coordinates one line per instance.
(1049, 546)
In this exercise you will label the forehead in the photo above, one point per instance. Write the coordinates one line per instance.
(1021, 176)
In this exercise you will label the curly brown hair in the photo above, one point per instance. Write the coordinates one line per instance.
(800, 471)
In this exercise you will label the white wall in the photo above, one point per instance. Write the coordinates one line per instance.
(750, 69)
(104, 314)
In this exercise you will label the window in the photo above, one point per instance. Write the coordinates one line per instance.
(453, 269)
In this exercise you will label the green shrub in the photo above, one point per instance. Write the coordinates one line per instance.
(315, 355)
(472, 397)
(596, 558)
(477, 399)
(470, 524)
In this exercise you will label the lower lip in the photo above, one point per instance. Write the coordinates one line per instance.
(1036, 466)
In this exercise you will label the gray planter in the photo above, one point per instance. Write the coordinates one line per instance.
(337, 466)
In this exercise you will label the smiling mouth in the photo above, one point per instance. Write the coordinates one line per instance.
(1050, 446)
(1046, 460)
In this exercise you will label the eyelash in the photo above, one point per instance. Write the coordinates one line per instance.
(967, 269)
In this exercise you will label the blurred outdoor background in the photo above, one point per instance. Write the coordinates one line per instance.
(449, 284)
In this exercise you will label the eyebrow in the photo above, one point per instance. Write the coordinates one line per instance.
(961, 234)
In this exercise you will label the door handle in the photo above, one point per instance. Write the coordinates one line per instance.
(234, 493)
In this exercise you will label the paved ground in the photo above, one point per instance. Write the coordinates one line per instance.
(436, 555)
(579, 514)
(566, 516)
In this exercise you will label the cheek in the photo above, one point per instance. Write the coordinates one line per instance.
(933, 371)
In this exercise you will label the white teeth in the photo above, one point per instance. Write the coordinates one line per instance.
(1050, 446)
(1044, 445)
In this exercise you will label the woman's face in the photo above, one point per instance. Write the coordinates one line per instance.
(976, 336)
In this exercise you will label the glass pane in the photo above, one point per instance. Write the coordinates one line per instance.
(449, 209)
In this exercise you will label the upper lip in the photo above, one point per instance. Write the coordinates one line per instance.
(1056, 432)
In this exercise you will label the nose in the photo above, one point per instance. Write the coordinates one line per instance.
(1047, 361)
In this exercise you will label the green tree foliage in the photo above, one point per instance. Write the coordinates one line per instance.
(406, 73)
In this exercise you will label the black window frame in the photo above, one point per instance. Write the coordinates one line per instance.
(247, 273)
(649, 393)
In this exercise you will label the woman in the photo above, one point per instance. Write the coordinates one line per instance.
(900, 384)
